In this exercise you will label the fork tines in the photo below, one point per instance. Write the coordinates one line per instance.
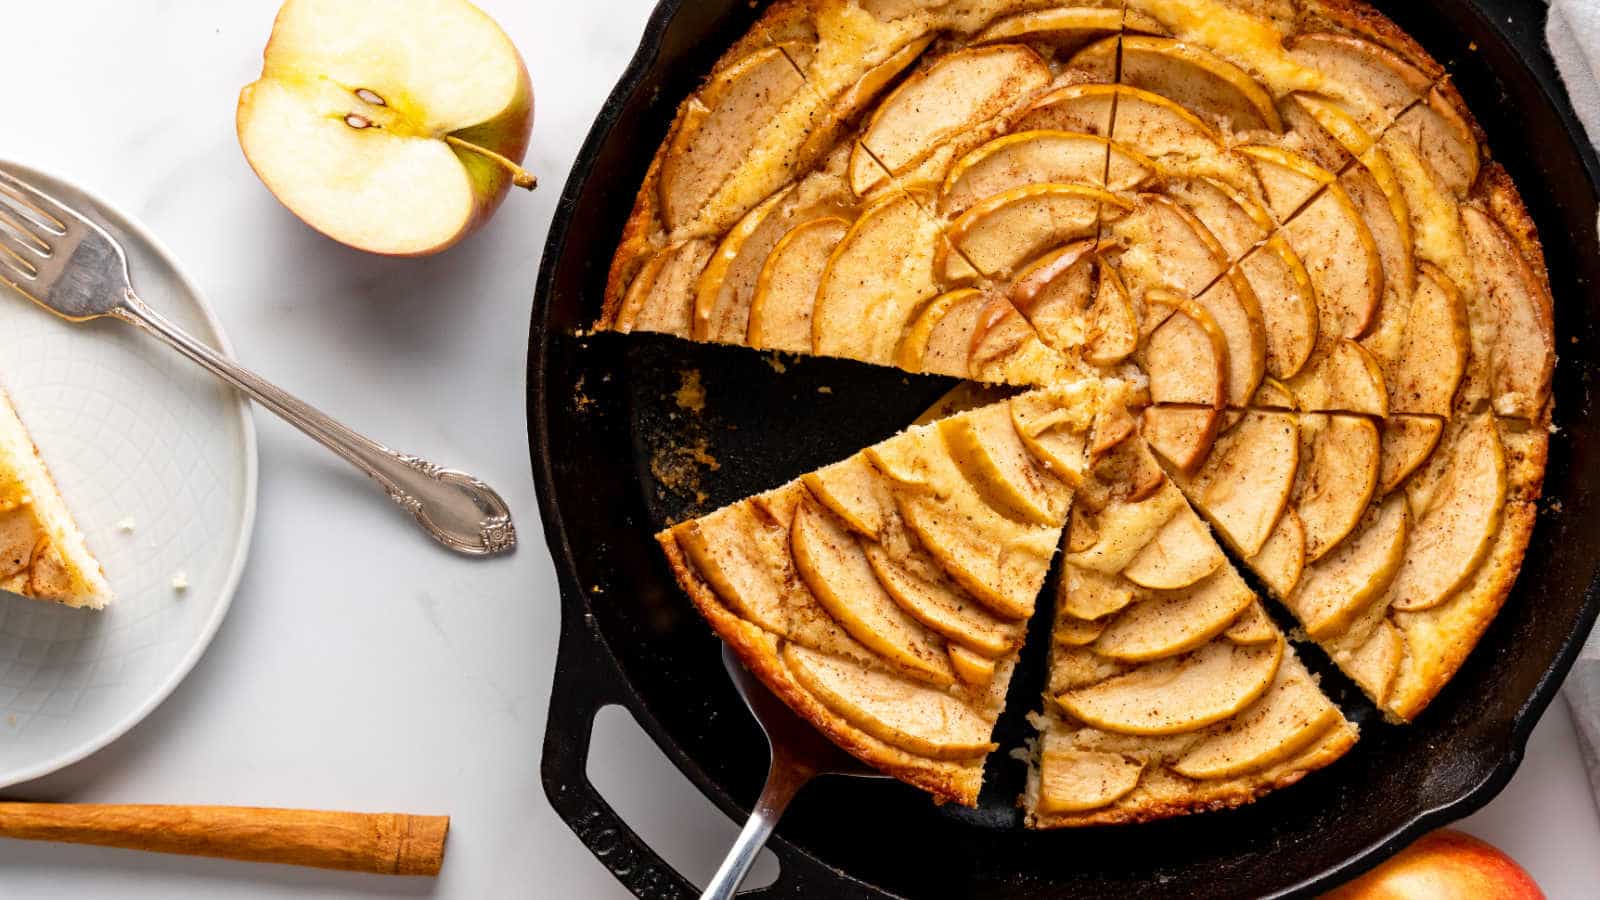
(25, 228)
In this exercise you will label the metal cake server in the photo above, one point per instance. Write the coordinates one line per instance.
(799, 754)
(66, 263)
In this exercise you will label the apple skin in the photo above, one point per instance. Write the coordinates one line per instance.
(1444, 865)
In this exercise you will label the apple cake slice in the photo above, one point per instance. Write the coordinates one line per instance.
(885, 597)
(42, 552)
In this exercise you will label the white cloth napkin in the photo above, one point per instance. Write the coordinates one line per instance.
(1573, 32)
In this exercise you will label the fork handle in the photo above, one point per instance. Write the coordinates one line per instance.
(456, 509)
(785, 778)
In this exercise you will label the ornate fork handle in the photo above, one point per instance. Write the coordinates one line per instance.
(457, 509)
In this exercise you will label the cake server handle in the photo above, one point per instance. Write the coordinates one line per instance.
(785, 778)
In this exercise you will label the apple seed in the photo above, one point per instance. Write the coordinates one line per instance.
(370, 97)
(357, 122)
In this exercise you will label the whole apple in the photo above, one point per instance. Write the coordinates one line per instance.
(1444, 865)
(393, 126)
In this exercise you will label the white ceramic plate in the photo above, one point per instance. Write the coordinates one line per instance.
(132, 433)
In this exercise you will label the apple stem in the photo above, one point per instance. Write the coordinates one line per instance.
(520, 177)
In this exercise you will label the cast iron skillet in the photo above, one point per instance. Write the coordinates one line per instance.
(604, 422)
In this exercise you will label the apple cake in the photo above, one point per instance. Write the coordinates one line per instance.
(1268, 312)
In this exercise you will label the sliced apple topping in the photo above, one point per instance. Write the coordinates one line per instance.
(1447, 143)
(720, 548)
(1345, 377)
(1065, 29)
(855, 492)
(1113, 326)
(1040, 157)
(1182, 435)
(943, 99)
(877, 277)
(986, 447)
(1181, 554)
(939, 339)
(1178, 694)
(1053, 424)
(1288, 302)
(1375, 665)
(1433, 358)
(1166, 248)
(1055, 291)
(727, 285)
(1340, 255)
(1079, 780)
(1233, 306)
(1186, 357)
(1072, 632)
(1374, 79)
(1167, 624)
(1010, 228)
(970, 667)
(1282, 559)
(1005, 349)
(1246, 483)
(1338, 474)
(1458, 528)
(1199, 80)
(1406, 443)
(1122, 528)
(1337, 589)
(944, 608)
(915, 717)
(1079, 108)
(786, 290)
(1086, 595)
(835, 569)
(1524, 352)
(661, 297)
(1253, 626)
(1292, 715)
(855, 100)
(714, 136)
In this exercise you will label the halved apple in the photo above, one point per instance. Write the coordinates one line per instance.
(1338, 473)
(835, 569)
(1246, 483)
(878, 276)
(1080, 780)
(1186, 357)
(1344, 377)
(1282, 559)
(1406, 443)
(970, 667)
(987, 449)
(372, 137)
(1005, 230)
(1123, 528)
(1375, 665)
(1180, 554)
(1286, 721)
(1524, 354)
(1182, 435)
(1433, 358)
(1179, 694)
(1253, 626)
(786, 290)
(1456, 532)
(1288, 301)
(1334, 591)
(661, 297)
(1172, 623)
(855, 492)
(944, 99)
(1087, 595)
(918, 718)
(1040, 157)
(1201, 81)
(943, 608)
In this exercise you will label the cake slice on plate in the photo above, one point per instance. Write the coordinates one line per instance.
(42, 552)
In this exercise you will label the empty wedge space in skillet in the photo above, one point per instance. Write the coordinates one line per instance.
(885, 597)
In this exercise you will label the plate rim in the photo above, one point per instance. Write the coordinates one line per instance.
(241, 549)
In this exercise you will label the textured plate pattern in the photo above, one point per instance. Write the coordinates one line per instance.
(134, 434)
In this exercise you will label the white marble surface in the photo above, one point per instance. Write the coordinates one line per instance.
(361, 668)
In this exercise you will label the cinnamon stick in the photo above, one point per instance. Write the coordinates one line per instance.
(384, 843)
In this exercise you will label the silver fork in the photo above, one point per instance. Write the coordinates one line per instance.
(54, 256)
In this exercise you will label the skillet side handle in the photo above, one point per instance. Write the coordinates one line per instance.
(585, 681)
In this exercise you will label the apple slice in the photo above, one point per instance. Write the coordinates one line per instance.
(1289, 180)
(1234, 219)
(1406, 443)
(729, 281)
(1200, 81)
(1288, 301)
(1433, 356)
(1123, 528)
(1233, 306)
(1040, 157)
(1282, 559)
(1178, 694)
(1376, 80)
(1375, 665)
(1186, 357)
(720, 548)
(1054, 425)
(1005, 230)
(1080, 108)
(1345, 377)
(1245, 485)
(1054, 292)
(878, 276)
(786, 289)
(939, 339)
(1073, 632)
(1064, 29)
(856, 99)
(1080, 780)
(1182, 435)
(945, 98)
(918, 718)
(1435, 213)
(1178, 140)
(1166, 248)
(1292, 716)
(1342, 260)
(1338, 473)
(1253, 626)
(989, 452)
(944, 609)
(1113, 326)
(1181, 554)
(661, 297)
(1274, 394)
(1005, 349)
(1448, 144)
(855, 492)
(372, 137)
(1523, 352)
(971, 667)
(835, 569)
(1088, 595)
(1336, 590)
(1456, 532)
(1169, 624)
